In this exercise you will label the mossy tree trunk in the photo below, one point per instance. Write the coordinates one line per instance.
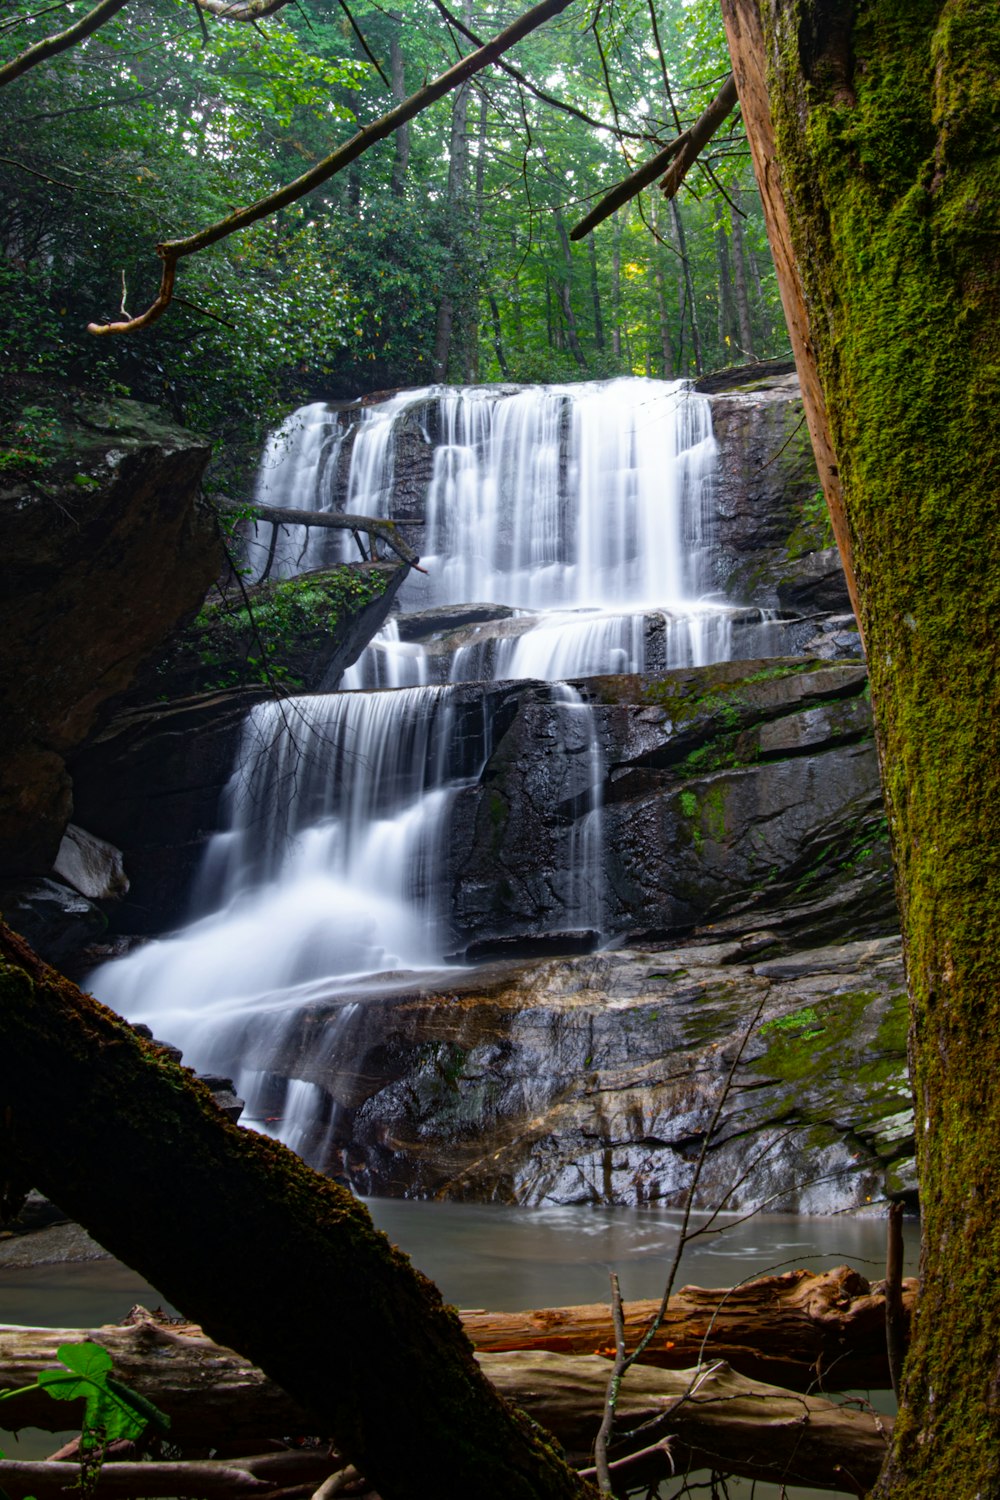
(876, 137)
(274, 1260)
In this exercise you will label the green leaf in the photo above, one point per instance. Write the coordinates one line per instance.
(110, 1407)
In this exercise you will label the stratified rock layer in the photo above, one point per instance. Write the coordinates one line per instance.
(745, 791)
(595, 1079)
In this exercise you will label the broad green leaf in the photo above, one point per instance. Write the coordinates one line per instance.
(110, 1407)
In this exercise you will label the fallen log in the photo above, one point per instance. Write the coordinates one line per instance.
(715, 1418)
(709, 1417)
(800, 1331)
(330, 520)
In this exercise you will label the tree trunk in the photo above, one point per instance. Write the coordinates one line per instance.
(457, 192)
(498, 335)
(595, 293)
(740, 278)
(272, 1259)
(401, 154)
(727, 307)
(566, 293)
(885, 225)
(442, 336)
(688, 284)
(663, 318)
(618, 224)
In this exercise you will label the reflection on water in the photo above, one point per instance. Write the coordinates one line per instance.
(505, 1259)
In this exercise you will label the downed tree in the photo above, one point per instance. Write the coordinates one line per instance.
(668, 1421)
(714, 1417)
(331, 520)
(801, 1331)
(135, 1149)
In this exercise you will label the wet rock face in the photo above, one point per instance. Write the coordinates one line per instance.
(185, 750)
(112, 530)
(594, 1080)
(54, 918)
(728, 792)
(775, 545)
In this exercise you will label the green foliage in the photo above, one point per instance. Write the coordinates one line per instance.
(111, 1410)
(264, 637)
(345, 291)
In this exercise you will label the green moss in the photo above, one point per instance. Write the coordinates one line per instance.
(815, 1041)
(704, 691)
(234, 640)
(814, 533)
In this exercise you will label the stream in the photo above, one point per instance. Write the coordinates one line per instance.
(506, 1259)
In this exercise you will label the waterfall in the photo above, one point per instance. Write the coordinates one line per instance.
(581, 515)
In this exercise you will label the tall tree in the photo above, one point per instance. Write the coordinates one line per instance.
(884, 214)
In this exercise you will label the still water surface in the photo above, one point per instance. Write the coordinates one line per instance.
(505, 1259)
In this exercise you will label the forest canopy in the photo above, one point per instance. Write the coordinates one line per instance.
(443, 252)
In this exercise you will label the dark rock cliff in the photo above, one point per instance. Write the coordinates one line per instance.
(106, 547)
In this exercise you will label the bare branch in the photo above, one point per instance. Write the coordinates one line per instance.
(627, 189)
(680, 154)
(364, 45)
(61, 41)
(699, 135)
(539, 93)
(175, 250)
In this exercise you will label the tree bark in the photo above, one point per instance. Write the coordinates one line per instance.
(885, 223)
(271, 1258)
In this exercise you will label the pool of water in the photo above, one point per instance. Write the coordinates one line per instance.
(505, 1259)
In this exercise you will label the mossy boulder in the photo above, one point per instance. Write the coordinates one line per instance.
(292, 635)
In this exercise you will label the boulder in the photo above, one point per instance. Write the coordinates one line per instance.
(91, 866)
(56, 920)
(292, 635)
(150, 782)
(106, 547)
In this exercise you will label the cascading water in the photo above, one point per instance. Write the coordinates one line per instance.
(584, 514)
